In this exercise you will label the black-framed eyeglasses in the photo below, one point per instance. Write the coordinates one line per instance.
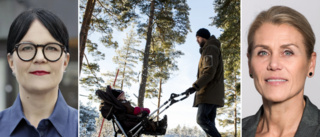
(26, 51)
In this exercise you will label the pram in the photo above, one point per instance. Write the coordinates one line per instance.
(127, 124)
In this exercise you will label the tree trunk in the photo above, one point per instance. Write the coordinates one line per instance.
(123, 74)
(235, 118)
(235, 106)
(142, 88)
(85, 28)
(124, 67)
(159, 97)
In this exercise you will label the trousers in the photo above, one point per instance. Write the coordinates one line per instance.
(205, 118)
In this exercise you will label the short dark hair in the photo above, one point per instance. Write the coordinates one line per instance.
(21, 25)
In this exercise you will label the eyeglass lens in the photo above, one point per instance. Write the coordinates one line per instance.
(51, 52)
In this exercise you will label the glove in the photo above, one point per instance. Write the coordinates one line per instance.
(146, 110)
(190, 90)
(139, 110)
(101, 105)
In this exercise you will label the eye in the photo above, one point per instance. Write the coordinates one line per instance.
(26, 47)
(288, 53)
(52, 48)
(262, 53)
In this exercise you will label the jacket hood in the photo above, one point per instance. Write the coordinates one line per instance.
(211, 41)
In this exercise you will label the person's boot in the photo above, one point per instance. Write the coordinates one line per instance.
(163, 125)
(152, 125)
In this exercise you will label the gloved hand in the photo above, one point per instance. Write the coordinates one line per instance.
(101, 105)
(139, 110)
(190, 90)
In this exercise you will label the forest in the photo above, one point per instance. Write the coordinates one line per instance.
(139, 45)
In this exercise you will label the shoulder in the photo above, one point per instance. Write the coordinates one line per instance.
(211, 49)
(4, 122)
(72, 124)
(250, 124)
(247, 122)
(311, 109)
(73, 113)
(310, 121)
(4, 115)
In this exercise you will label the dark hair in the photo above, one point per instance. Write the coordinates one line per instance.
(21, 25)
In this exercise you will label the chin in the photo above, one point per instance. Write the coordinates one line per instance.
(40, 88)
(276, 98)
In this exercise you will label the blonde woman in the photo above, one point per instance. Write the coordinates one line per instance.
(281, 57)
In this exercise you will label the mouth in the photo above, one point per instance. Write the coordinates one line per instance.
(275, 81)
(40, 72)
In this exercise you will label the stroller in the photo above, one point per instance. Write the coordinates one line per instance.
(132, 125)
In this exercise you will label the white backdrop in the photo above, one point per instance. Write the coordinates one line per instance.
(251, 99)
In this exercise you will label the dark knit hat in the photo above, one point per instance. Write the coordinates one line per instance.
(204, 33)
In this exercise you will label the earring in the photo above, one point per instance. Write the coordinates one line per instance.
(13, 73)
(251, 76)
(310, 74)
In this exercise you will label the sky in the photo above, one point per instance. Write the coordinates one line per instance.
(181, 113)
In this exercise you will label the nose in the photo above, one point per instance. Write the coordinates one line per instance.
(198, 40)
(274, 63)
(39, 57)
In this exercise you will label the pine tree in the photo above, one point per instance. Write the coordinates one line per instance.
(85, 28)
(91, 81)
(228, 19)
(102, 16)
(107, 128)
(162, 63)
(126, 59)
(177, 130)
(87, 119)
(185, 131)
(166, 17)
(170, 20)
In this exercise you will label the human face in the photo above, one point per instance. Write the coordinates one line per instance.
(201, 41)
(122, 97)
(279, 63)
(38, 75)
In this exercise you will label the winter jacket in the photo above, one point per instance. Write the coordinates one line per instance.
(133, 110)
(209, 84)
(128, 106)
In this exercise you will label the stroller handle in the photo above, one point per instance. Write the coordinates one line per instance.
(174, 95)
(171, 101)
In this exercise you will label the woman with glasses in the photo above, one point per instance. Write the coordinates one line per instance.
(38, 54)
